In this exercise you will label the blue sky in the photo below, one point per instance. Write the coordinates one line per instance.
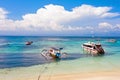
(17, 8)
(17, 15)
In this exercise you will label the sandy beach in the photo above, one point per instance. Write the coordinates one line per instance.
(107, 75)
(85, 76)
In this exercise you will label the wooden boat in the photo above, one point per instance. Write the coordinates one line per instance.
(52, 52)
(93, 48)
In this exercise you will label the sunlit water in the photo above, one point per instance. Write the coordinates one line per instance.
(15, 54)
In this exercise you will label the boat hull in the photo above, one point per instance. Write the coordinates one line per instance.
(92, 51)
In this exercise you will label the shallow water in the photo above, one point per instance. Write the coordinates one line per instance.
(25, 60)
(14, 53)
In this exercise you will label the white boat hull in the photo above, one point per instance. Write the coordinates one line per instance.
(93, 51)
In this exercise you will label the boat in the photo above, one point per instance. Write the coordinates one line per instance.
(29, 42)
(112, 40)
(94, 49)
(52, 52)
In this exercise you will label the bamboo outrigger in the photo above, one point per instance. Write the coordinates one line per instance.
(52, 52)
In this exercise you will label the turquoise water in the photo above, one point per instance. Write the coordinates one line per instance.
(72, 45)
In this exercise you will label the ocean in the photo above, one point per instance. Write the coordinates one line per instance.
(15, 54)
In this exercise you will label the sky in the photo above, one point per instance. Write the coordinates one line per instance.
(60, 17)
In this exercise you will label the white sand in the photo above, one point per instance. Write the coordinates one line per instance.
(107, 75)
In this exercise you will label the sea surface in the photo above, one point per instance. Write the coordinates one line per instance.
(14, 53)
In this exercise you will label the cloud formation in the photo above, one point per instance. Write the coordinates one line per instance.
(54, 18)
(3, 13)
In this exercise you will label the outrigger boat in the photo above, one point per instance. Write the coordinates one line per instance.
(52, 52)
(93, 48)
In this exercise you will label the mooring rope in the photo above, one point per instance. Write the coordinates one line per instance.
(43, 70)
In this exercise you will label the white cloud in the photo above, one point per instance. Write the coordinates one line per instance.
(3, 13)
(118, 26)
(56, 18)
(7, 25)
(91, 11)
(105, 25)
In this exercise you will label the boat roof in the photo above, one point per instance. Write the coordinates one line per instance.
(56, 49)
(91, 43)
